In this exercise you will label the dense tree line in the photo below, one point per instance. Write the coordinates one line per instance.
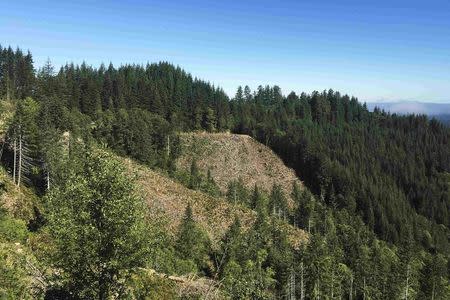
(16, 73)
(392, 170)
(377, 203)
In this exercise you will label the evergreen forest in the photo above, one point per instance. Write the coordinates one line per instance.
(375, 203)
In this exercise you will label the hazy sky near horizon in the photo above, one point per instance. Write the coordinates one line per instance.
(375, 50)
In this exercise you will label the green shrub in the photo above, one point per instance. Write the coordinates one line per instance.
(15, 281)
(146, 285)
(13, 230)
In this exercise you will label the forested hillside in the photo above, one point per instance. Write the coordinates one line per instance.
(376, 202)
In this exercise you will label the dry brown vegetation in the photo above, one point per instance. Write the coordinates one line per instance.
(193, 287)
(168, 199)
(230, 156)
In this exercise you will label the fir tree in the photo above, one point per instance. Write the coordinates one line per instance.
(192, 242)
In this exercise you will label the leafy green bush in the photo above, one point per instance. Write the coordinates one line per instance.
(12, 230)
(15, 281)
(146, 285)
(97, 223)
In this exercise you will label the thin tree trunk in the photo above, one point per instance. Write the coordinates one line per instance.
(20, 160)
(350, 296)
(48, 180)
(407, 283)
(168, 147)
(8, 96)
(292, 286)
(332, 284)
(15, 160)
(302, 288)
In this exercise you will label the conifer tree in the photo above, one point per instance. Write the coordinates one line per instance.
(247, 93)
(239, 97)
(305, 207)
(192, 242)
(278, 202)
(237, 192)
(258, 201)
(195, 177)
(231, 245)
(209, 186)
(209, 120)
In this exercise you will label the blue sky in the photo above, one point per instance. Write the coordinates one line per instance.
(375, 50)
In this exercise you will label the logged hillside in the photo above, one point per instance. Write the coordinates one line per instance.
(168, 199)
(231, 156)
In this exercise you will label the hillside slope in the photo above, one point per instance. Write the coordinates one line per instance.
(19, 202)
(168, 199)
(230, 156)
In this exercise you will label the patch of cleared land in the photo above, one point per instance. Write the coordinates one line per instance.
(168, 199)
(230, 156)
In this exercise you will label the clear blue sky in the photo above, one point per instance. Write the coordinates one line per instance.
(375, 50)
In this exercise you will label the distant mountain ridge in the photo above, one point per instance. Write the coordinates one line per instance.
(411, 107)
(440, 111)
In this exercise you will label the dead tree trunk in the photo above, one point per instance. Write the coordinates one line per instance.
(332, 284)
(407, 282)
(168, 147)
(48, 180)
(302, 287)
(350, 295)
(15, 159)
(20, 161)
(292, 286)
(8, 93)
